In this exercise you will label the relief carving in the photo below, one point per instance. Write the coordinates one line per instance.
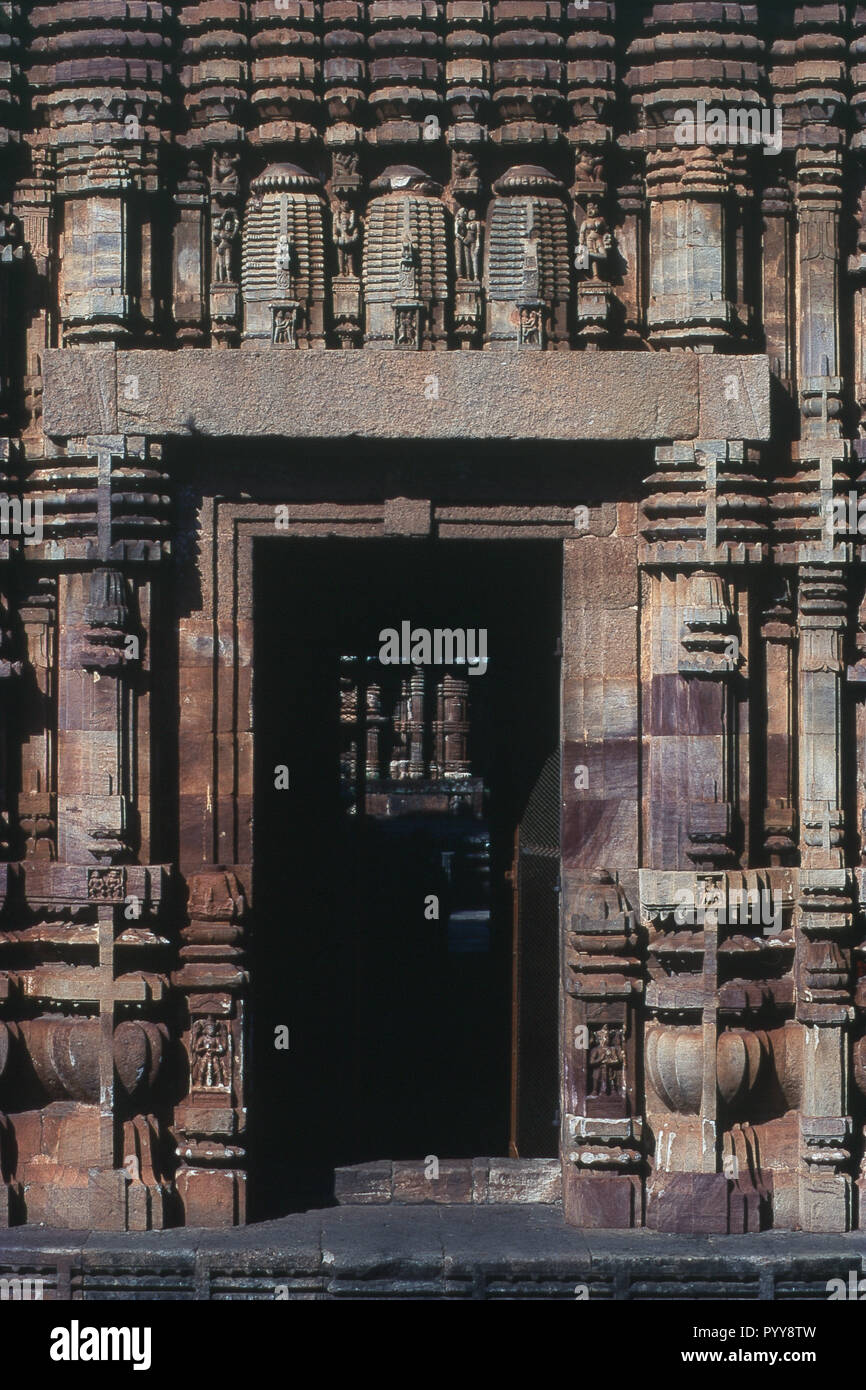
(210, 1047)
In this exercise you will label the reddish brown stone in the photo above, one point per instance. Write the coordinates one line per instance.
(521, 296)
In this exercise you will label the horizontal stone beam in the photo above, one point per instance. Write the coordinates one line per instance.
(518, 394)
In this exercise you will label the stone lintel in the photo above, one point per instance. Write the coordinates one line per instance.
(367, 394)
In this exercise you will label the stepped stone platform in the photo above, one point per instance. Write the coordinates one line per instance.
(428, 1252)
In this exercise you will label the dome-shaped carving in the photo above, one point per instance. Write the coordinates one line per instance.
(405, 178)
(528, 267)
(405, 261)
(284, 176)
(283, 258)
(529, 178)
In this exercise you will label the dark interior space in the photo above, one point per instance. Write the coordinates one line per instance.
(384, 892)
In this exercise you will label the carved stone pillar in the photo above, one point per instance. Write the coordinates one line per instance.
(632, 248)
(602, 1124)
(819, 174)
(96, 731)
(595, 253)
(11, 255)
(778, 281)
(189, 258)
(602, 1130)
(405, 72)
(35, 204)
(92, 1156)
(11, 258)
(824, 914)
(690, 302)
(695, 649)
(469, 234)
(703, 527)
(816, 1193)
(347, 235)
(778, 631)
(211, 1119)
(9, 1194)
(100, 94)
(285, 71)
(96, 303)
(225, 226)
(857, 277)
(83, 954)
(10, 1190)
(344, 70)
(856, 676)
(693, 825)
(94, 899)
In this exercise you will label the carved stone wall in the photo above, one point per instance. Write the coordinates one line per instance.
(204, 205)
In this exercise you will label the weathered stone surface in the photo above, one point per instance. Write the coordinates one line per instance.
(398, 363)
(500, 1181)
(735, 398)
(460, 396)
(364, 1183)
(516, 1180)
(467, 1252)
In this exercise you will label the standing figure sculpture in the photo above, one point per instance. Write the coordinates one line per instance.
(467, 230)
(284, 327)
(224, 234)
(209, 1054)
(594, 241)
(346, 233)
(405, 328)
(606, 1060)
(530, 326)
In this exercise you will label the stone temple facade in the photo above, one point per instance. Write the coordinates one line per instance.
(297, 293)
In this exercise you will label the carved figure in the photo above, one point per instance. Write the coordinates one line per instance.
(530, 285)
(405, 327)
(224, 235)
(530, 326)
(284, 324)
(606, 1060)
(225, 172)
(464, 166)
(587, 167)
(407, 273)
(467, 229)
(284, 264)
(105, 885)
(210, 1046)
(346, 163)
(347, 234)
(594, 241)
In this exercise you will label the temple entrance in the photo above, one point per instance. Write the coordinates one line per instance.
(406, 713)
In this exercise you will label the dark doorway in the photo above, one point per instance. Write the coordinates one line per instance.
(383, 900)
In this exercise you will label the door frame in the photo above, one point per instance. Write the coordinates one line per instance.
(216, 662)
